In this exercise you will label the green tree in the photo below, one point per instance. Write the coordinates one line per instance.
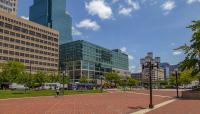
(39, 78)
(192, 51)
(54, 78)
(186, 77)
(112, 77)
(172, 80)
(25, 79)
(84, 79)
(132, 82)
(11, 71)
(58, 79)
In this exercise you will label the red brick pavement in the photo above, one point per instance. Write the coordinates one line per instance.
(107, 103)
(171, 93)
(179, 107)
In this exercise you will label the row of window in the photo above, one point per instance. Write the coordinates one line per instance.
(29, 61)
(6, 8)
(14, 53)
(13, 34)
(12, 40)
(23, 25)
(6, 2)
(14, 47)
(33, 69)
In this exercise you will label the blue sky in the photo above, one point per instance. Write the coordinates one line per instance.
(135, 26)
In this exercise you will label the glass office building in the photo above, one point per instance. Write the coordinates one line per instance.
(52, 13)
(81, 58)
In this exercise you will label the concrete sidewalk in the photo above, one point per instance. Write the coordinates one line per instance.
(180, 106)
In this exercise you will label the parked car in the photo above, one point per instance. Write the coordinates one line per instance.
(15, 86)
(52, 86)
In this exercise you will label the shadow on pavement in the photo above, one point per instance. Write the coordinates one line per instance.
(137, 107)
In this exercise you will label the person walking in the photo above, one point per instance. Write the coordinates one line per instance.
(57, 91)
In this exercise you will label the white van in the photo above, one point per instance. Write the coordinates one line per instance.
(51, 86)
(14, 86)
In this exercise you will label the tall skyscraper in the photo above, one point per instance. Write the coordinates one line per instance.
(166, 67)
(9, 6)
(52, 13)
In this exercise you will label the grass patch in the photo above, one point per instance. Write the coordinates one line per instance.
(34, 93)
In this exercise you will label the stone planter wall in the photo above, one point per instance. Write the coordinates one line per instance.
(191, 94)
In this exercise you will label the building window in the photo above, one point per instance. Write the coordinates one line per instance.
(9, 26)
(16, 28)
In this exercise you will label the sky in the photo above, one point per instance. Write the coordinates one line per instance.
(134, 26)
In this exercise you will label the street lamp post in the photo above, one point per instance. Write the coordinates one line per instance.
(63, 81)
(176, 74)
(150, 63)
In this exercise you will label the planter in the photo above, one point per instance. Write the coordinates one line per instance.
(191, 94)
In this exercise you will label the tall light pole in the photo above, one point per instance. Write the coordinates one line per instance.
(176, 74)
(63, 82)
(149, 63)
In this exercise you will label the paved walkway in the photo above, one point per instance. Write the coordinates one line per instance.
(179, 107)
(114, 102)
(107, 103)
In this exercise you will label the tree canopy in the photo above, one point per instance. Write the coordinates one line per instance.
(185, 77)
(192, 50)
(11, 71)
(84, 79)
(112, 77)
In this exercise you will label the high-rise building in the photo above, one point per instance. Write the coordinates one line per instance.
(34, 45)
(120, 62)
(81, 58)
(52, 13)
(172, 68)
(157, 73)
(166, 68)
(9, 6)
(137, 76)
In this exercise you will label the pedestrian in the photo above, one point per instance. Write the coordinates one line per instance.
(57, 91)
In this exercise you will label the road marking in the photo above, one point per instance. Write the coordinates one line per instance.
(155, 107)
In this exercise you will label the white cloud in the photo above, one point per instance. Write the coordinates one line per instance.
(132, 68)
(135, 5)
(124, 50)
(132, 6)
(100, 8)
(130, 57)
(125, 11)
(24, 17)
(76, 32)
(168, 6)
(192, 1)
(88, 24)
(177, 53)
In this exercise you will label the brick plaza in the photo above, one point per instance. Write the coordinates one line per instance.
(113, 102)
